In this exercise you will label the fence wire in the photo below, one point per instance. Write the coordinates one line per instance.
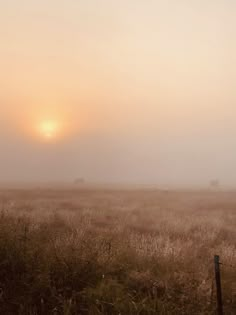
(228, 265)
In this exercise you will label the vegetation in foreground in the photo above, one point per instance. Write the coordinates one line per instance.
(115, 252)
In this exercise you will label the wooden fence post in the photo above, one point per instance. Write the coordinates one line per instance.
(218, 285)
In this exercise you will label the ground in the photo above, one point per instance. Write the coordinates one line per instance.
(100, 251)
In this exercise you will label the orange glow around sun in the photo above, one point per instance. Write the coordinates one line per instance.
(49, 130)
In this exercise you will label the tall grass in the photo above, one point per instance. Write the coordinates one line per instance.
(115, 252)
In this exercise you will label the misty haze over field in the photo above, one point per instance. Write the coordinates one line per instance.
(117, 157)
(134, 91)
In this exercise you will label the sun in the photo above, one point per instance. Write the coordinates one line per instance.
(49, 129)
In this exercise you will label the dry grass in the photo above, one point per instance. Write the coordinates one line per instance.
(115, 252)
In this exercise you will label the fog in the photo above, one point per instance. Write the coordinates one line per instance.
(144, 91)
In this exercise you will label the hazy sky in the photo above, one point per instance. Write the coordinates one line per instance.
(139, 90)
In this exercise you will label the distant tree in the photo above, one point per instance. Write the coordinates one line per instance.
(214, 184)
(79, 181)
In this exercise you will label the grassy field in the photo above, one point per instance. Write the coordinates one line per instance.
(110, 252)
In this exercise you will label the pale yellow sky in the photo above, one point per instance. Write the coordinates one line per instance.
(137, 85)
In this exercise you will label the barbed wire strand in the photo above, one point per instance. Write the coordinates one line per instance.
(228, 265)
